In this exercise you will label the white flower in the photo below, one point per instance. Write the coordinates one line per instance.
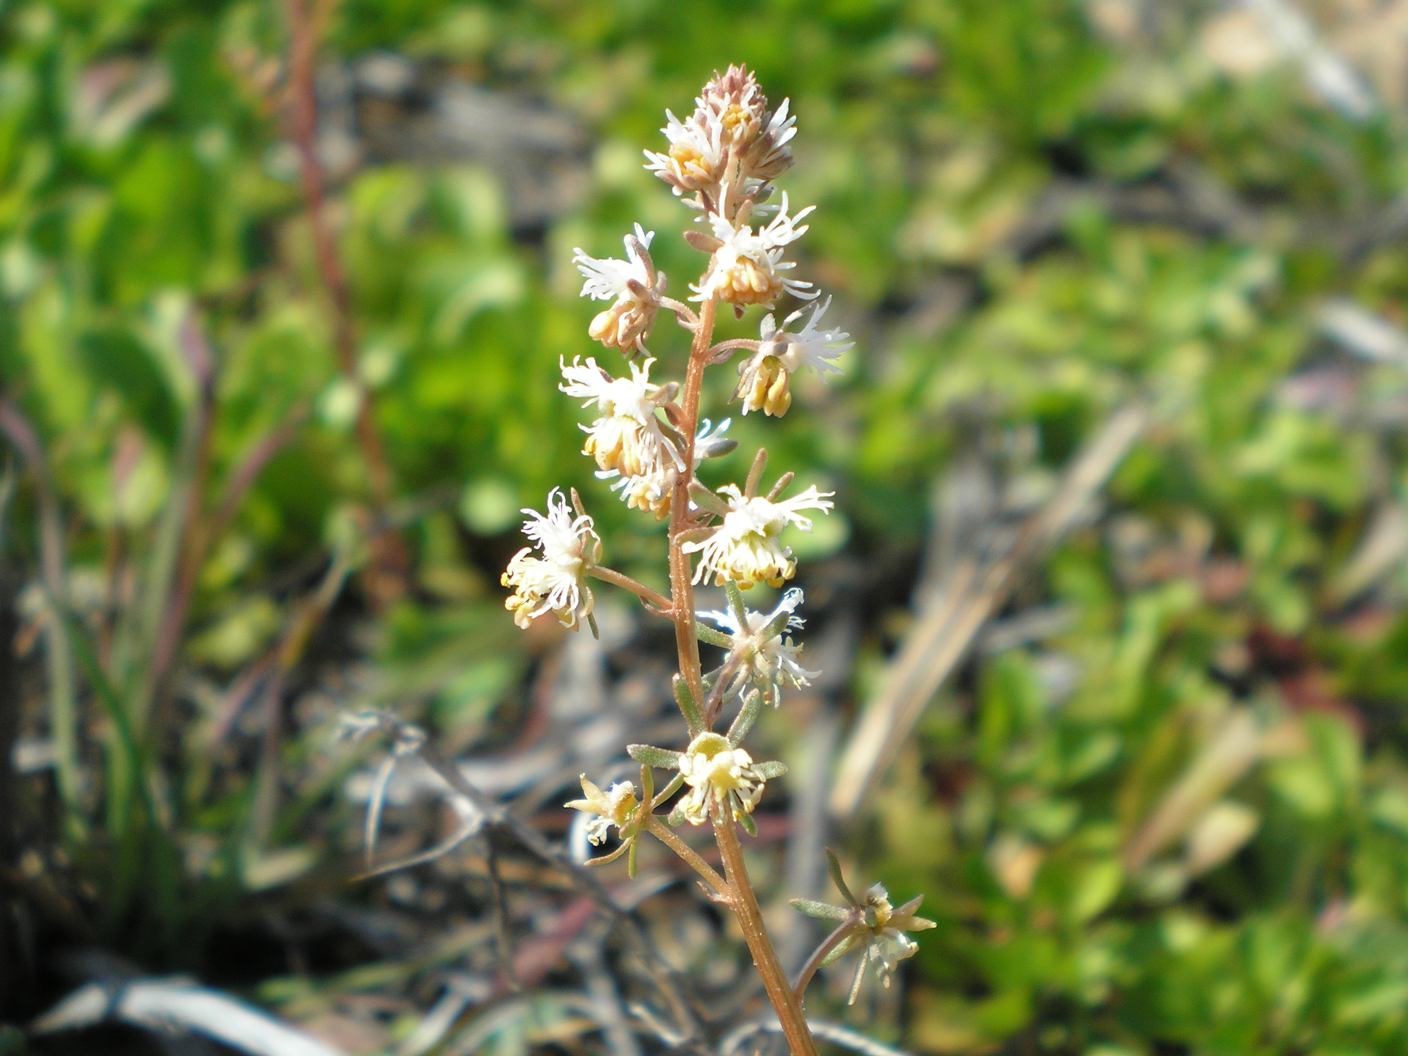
(615, 806)
(720, 777)
(695, 158)
(745, 547)
(873, 923)
(747, 265)
(807, 347)
(733, 101)
(626, 436)
(633, 284)
(769, 155)
(652, 491)
(886, 941)
(554, 582)
(763, 379)
(730, 137)
(768, 655)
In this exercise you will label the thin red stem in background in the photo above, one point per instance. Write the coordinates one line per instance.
(387, 579)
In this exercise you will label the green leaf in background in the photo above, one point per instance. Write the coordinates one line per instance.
(118, 361)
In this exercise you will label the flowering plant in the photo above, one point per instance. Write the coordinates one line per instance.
(648, 439)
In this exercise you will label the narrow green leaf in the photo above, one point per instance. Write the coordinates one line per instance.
(688, 706)
(706, 500)
(820, 910)
(834, 866)
(844, 947)
(607, 859)
(665, 793)
(649, 755)
(139, 769)
(712, 636)
(755, 472)
(770, 769)
(736, 605)
(747, 715)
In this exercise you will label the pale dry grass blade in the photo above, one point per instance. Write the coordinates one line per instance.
(950, 621)
(177, 1004)
(1228, 754)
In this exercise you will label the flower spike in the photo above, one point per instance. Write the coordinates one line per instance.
(731, 142)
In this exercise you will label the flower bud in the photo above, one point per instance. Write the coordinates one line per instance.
(763, 384)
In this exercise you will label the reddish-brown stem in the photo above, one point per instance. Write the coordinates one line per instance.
(201, 535)
(740, 890)
(681, 589)
(193, 537)
(804, 977)
(722, 683)
(189, 536)
(750, 918)
(683, 312)
(388, 552)
(646, 594)
(690, 857)
(253, 463)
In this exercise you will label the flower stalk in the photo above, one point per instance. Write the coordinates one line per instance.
(681, 585)
(721, 891)
(819, 955)
(649, 439)
(652, 599)
(755, 933)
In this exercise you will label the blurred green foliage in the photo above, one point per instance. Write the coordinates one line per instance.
(1196, 843)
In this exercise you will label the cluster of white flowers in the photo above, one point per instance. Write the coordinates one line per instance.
(721, 160)
(627, 439)
(746, 265)
(626, 436)
(764, 378)
(731, 142)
